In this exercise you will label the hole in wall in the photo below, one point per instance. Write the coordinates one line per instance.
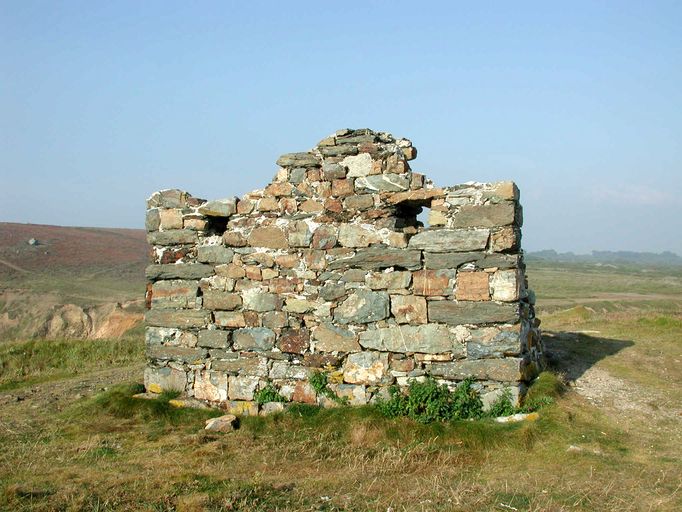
(423, 217)
(216, 225)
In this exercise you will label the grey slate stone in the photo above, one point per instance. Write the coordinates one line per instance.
(219, 207)
(214, 254)
(502, 370)
(362, 307)
(438, 260)
(173, 237)
(427, 339)
(374, 258)
(253, 338)
(450, 240)
(298, 160)
(485, 215)
(464, 312)
(181, 354)
(177, 318)
(179, 271)
(213, 338)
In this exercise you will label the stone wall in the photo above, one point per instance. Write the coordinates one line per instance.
(329, 269)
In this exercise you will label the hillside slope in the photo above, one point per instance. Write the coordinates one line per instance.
(58, 281)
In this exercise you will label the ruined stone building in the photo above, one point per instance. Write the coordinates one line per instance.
(327, 269)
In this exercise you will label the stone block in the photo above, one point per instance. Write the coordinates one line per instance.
(210, 385)
(485, 215)
(353, 235)
(435, 260)
(388, 280)
(255, 300)
(353, 393)
(254, 338)
(298, 160)
(174, 237)
(152, 220)
(365, 368)
(169, 198)
(161, 379)
(294, 341)
(176, 293)
(501, 370)
(506, 285)
(213, 338)
(502, 191)
(358, 165)
(428, 338)
(299, 234)
(333, 338)
(505, 239)
(214, 254)
(170, 218)
(472, 286)
(493, 343)
(343, 188)
(325, 237)
(177, 318)
(218, 300)
(230, 319)
(359, 202)
(271, 237)
(362, 307)
(169, 336)
(450, 240)
(432, 282)
(178, 271)
(219, 208)
(242, 387)
(408, 309)
(458, 313)
(253, 366)
(304, 393)
(180, 354)
(275, 319)
(383, 183)
(286, 370)
(375, 258)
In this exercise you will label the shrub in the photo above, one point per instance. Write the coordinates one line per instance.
(268, 394)
(502, 406)
(429, 401)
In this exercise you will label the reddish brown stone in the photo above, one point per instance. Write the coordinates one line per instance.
(315, 260)
(421, 195)
(271, 237)
(342, 188)
(318, 360)
(324, 237)
(288, 205)
(268, 204)
(333, 205)
(283, 284)
(287, 260)
(311, 206)
(294, 341)
(279, 189)
(252, 319)
(431, 282)
(304, 393)
(314, 175)
(253, 272)
(472, 286)
(245, 206)
(505, 239)
(402, 365)
(148, 296)
(230, 270)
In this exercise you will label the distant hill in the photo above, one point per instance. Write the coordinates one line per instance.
(665, 258)
(69, 282)
(26, 248)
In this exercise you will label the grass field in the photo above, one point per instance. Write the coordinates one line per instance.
(610, 441)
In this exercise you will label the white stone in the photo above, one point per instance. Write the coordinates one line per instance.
(359, 165)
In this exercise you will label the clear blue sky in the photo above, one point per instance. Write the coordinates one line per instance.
(102, 103)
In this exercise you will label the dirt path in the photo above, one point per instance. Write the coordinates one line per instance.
(54, 396)
(13, 266)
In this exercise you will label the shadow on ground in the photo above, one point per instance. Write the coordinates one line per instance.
(572, 354)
